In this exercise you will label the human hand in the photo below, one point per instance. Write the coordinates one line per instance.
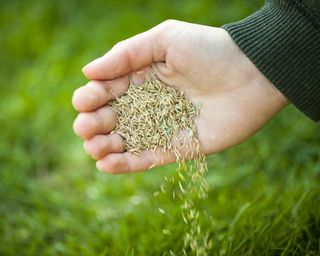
(237, 100)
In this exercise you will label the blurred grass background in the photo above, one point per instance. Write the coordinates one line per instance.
(264, 194)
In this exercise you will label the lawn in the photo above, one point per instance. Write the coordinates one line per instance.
(264, 195)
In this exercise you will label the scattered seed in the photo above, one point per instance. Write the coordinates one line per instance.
(155, 116)
(152, 166)
(166, 232)
(161, 211)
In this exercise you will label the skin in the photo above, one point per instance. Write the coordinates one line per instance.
(237, 100)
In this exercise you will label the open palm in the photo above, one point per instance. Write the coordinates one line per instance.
(203, 61)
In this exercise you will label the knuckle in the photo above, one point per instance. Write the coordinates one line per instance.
(95, 94)
(117, 142)
(107, 118)
(119, 44)
(77, 99)
(84, 125)
(169, 23)
(117, 165)
(77, 125)
(85, 98)
(86, 147)
(94, 147)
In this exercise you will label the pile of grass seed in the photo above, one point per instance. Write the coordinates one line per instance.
(156, 116)
(151, 114)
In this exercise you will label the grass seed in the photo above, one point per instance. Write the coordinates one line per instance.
(152, 116)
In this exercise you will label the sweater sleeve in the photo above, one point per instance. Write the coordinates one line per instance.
(283, 40)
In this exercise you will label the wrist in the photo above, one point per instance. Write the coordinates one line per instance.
(255, 100)
(247, 73)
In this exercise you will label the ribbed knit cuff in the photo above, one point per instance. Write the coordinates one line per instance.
(285, 46)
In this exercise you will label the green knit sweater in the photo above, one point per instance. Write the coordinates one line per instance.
(283, 40)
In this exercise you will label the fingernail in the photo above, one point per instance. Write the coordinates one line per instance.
(138, 77)
(99, 166)
(88, 65)
(85, 68)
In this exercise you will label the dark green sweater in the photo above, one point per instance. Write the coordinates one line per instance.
(283, 40)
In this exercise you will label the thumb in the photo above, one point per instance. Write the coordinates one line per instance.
(131, 54)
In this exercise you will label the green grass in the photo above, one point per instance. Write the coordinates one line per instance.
(264, 196)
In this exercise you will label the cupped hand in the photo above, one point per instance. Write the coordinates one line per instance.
(237, 100)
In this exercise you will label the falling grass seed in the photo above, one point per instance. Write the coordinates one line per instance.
(155, 116)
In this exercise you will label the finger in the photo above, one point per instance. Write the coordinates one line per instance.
(139, 76)
(101, 145)
(101, 121)
(128, 162)
(97, 93)
(132, 54)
